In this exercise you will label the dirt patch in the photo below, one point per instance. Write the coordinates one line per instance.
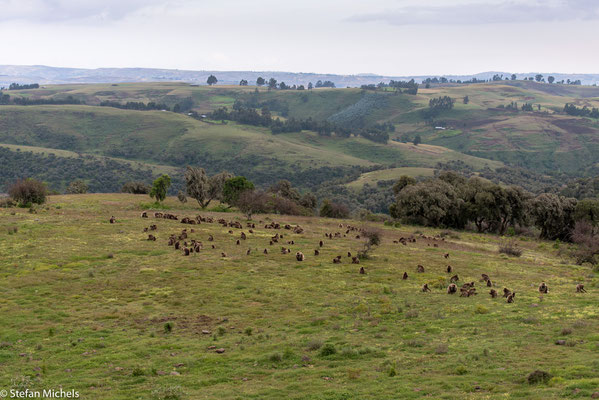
(574, 125)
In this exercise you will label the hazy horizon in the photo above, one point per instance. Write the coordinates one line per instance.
(384, 37)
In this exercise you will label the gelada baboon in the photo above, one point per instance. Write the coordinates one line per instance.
(405, 276)
(265, 251)
(489, 283)
(493, 293)
(454, 278)
(452, 288)
(420, 268)
(355, 260)
(321, 243)
(316, 252)
(580, 288)
(510, 298)
(362, 271)
(112, 220)
(425, 288)
(446, 255)
(144, 214)
(336, 261)
(543, 288)
(449, 269)
(506, 292)
(223, 254)
(299, 256)
(247, 253)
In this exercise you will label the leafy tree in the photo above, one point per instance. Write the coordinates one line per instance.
(308, 200)
(587, 210)
(554, 215)
(136, 188)
(538, 77)
(160, 188)
(77, 187)
(202, 188)
(251, 202)
(211, 80)
(402, 182)
(243, 82)
(28, 191)
(181, 196)
(417, 140)
(330, 209)
(283, 188)
(514, 77)
(260, 81)
(550, 79)
(234, 187)
(272, 83)
(310, 86)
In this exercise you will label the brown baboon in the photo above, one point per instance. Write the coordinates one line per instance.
(210, 238)
(321, 243)
(484, 277)
(510, 298)
(489, 283)
(145, 229)
(223, 254)
(506, 292)
(420, 268)
(251, 231)
(336, 261)
(362, 271)
(299, 256)
(405, 276)
(449, 269)
(186, 251)
(144, 214)
(213, 246)
(452, 288)
(543, 288)
(355, 260)
(316, 252)
(112, 220)
(580, 288)
(247, 253)
(348, 254)
(177, 245)
(446, 255)
(271, 242)
(425, 288)
(152, 238)
(454, 278)
(493, 293)
(231, 232)
(472, 292)
(243, 237)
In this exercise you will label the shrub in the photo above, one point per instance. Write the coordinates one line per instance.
(276, 357)
(77, 187)
(181, 196)
(588, 243)
(510, 247)
(135, 188)
(7, 202)
(137, 371)
(537, 377)
(168, 327)
(168, 393)
(28, 191)
(331, 209)
(314, 344)
(443, 348)
(328, 350)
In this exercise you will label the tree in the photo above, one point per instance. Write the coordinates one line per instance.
(402, 182)
(310, 86)
(135, 188)
(551, 79)
(514, 77)
(243, 82)
(587, 210)
(202, 188)
(283, 188)
(330, 209)
(251, 202)
(272, 83)
(553, 214)
(160, 188)
(417, 140)
(234, 187)
(77, 187)
(260, 81)
(28, 191)
(538, 77)
(308, 201)
(211, 80)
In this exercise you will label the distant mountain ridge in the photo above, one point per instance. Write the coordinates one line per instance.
(58, 75)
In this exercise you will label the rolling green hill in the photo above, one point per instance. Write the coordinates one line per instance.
(483, 135)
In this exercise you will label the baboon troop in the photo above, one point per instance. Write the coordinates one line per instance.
(543, 288)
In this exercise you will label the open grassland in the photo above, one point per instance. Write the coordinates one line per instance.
(96, 307)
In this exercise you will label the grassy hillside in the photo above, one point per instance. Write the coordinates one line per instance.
(482, 134)
(115, 316)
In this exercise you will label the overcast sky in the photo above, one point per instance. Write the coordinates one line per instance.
(390, 37)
